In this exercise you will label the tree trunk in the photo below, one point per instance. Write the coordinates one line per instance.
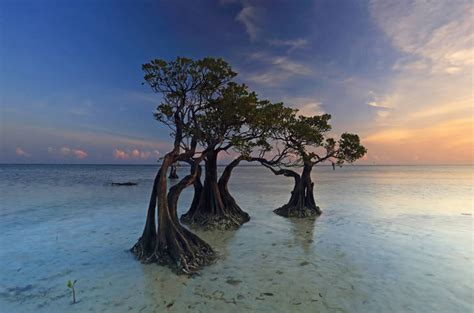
(229, 202)
(145, 245)
(302, 203)
(171, 244)
(197, 190)
(216, 208)
(173, 174)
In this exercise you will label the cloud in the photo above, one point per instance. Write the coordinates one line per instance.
(80, 154)
(248, 17)
(66, 152)
(292, 44)
(278, 69)
(310, 109)
(121, 154)
(283, 63)
(439, 33)
(376, 104)
(307, 106)
(426, 108)
(135, 153)
(20, 152)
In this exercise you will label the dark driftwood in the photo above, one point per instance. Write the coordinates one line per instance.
(124, 184)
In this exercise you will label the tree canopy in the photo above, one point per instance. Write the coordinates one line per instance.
(302, 136)
(208, 113)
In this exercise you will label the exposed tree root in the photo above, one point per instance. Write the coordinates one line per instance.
(169, 243)
(207, 221)
(213, 206)
(185, 255)
(302, 203)
(289, 210)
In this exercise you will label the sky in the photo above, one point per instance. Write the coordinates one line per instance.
(398, 73)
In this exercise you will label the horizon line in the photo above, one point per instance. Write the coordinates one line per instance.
(243, 165)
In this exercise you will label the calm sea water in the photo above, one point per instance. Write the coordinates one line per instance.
(391, 239)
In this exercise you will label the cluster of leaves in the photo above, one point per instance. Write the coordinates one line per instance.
(224, 118)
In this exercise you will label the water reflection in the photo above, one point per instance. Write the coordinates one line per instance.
(303, 230)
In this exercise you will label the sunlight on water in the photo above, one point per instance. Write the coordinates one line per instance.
(391, 239)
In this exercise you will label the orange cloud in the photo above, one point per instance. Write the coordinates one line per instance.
(135, 153)
(121, 154)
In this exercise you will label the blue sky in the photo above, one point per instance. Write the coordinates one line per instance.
(398, 73)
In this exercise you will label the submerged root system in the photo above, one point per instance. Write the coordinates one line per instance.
(207, 221)
(183, 252)
(289, 210)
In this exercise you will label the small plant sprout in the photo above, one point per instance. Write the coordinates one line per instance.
(70, 284)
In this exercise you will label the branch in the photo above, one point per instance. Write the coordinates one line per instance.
(270, 165)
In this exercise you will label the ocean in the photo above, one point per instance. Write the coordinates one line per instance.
(390, 239)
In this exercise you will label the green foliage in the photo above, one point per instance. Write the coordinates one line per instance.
(302, 136)
(186, 87)
(237, 119)
(350, 148)
(70, 284)
(223, 119)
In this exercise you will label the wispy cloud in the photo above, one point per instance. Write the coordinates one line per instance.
(439, 33)
(377, 104)
(384, 106)
(277, 69)
(292, 44)
(248, 16)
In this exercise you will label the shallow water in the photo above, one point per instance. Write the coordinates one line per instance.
(391, 239)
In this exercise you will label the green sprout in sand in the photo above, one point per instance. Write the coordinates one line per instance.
(70, 284)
